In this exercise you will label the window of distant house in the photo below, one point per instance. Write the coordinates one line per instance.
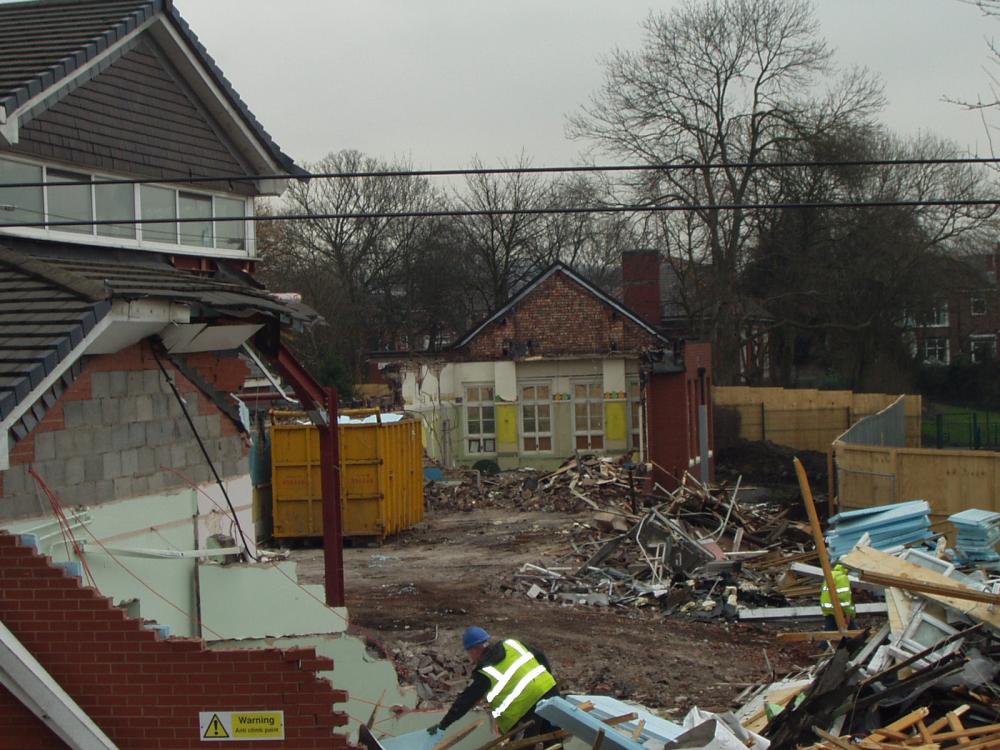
(588, 416)
(536, 418)
(936, 350)
(939, 316)
(983, 347)
(209, 221)
(480, 419)
(635, 414)
(977, 306)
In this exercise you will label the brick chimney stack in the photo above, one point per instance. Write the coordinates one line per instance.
(641, 284)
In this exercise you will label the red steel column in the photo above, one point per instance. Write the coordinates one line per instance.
(333, 538)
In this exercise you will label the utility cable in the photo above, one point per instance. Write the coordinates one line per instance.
(480, 171)
(493, 212)
(208, 458)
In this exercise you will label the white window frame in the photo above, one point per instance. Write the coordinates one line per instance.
(633, 393)
(481, 442)
(936, 360)
(990, 339)
(595, 407)
(91, 237)
(535, 404)
(977, 310)
(939, 316)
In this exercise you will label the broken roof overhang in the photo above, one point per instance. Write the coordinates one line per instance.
(108, 273)
(54, 310)
(38, 67)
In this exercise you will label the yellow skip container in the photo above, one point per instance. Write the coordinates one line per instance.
(381, 475)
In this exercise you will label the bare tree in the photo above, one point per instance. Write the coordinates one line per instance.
(720, 82)
(503, 249)
(352, 269)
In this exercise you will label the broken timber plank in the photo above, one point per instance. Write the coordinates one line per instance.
(818, 635)
(869, 560)
(904, 722)
(930, 588)
(458, 737)
(817, 531)
(834, 739)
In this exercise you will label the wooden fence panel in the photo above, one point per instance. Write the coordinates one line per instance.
(806, 418)
(949, 480)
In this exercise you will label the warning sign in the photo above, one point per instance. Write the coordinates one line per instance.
(239, 726)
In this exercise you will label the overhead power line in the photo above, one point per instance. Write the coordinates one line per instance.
(634, 208)
(474, 171)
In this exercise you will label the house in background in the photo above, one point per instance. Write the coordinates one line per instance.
(965, 323)
(561, 369)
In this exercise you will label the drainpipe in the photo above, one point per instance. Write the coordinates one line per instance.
(333, 547)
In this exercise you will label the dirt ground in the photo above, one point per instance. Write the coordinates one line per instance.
(416, 593)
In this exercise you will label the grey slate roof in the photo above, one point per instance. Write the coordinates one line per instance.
(41, 319)
(44, 41)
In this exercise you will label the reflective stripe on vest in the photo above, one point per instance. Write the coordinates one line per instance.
(518, 689)
(503, 678)
(517, 682)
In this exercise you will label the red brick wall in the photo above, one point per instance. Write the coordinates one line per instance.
(672, 401)
(641, 284)
(143, 691)
(559, 317)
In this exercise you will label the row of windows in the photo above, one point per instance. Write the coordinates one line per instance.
(536, 417)
(937, 349)
(96, 201)
(939, 315)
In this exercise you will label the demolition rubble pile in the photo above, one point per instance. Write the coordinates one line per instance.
(697, 550)
(922, 679)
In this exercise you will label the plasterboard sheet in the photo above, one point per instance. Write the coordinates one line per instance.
(261, 601)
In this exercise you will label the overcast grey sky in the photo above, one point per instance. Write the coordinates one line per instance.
(441, 81)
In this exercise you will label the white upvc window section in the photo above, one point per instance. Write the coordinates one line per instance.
(588, 415)
(536, 418)
(939, 315)
(480, 419)
(936, 350)
(983, 347)
(221, 224)
(634, 413)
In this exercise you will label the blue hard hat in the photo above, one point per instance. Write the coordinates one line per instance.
(473, 637)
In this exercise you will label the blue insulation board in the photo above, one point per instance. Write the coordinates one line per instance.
(886, 525)
(978, 534)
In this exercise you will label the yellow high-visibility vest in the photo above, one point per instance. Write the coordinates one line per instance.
(843, 584)
(517, 682)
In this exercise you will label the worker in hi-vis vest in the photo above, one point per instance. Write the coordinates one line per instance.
(843, 584)
(511, 676)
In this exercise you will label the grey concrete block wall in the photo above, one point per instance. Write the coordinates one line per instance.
(129, 439)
